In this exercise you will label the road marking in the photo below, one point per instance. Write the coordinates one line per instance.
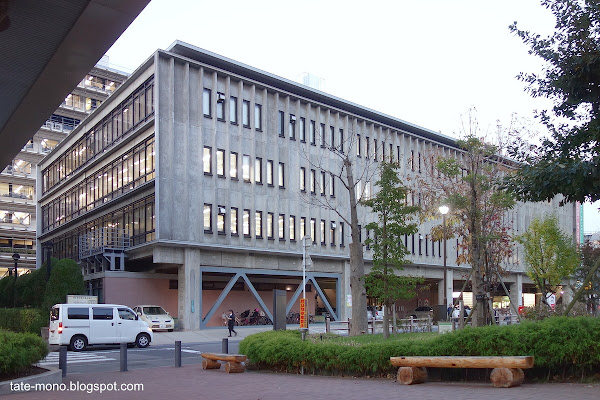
(182, 350)
(73, 358)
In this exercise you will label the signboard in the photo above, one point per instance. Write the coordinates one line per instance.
(79, 299)
(303, 316)
(349, 300)
(551, 298)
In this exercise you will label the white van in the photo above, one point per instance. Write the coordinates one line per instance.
(80, 325)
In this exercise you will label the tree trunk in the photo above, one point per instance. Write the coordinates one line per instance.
(357, 265)
(386, 319)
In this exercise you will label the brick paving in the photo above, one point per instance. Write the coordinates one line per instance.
(192, 382)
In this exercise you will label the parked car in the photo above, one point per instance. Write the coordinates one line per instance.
(156, 317)
(423, 312)
(81, 325)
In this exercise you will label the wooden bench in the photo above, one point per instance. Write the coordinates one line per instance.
(233, 361)
(507, 372)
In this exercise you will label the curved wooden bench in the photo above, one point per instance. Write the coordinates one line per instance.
(507, 371)
(233, 361)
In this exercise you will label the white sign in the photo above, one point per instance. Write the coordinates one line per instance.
(349, 300)
(80, 299)
(551, 298)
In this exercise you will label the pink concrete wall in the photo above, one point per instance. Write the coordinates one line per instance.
(136, 291)
(240, 301)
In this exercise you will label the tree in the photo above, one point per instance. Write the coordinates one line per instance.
(65, 278)
(550, 255)
(590, 254)
(568, 162)
(343, 164)
(469, 183)
(389, 204)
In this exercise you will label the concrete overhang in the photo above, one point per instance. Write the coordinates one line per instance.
(45, 51)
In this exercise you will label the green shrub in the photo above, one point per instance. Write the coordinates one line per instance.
(23, 320)
(18, 351)
(562, 346)
(65, 278)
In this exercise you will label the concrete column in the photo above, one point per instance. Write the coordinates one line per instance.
(567, 294)
(441, 292)
(345, 311)
(449, 284)
(516, 291)
(189, 291)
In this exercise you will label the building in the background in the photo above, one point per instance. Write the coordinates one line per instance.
(17, 180)
(187, 188)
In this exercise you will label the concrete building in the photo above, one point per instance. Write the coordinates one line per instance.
(194, 184)
(17, 180)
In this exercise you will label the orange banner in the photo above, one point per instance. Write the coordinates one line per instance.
(303, 316)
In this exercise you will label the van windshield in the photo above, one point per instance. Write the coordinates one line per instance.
(55, 314)
(155, 310)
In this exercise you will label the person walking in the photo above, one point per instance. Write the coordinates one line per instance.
(231, 322)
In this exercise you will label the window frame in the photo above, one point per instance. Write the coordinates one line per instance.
(204, 161)
(233, 108)
(210, 219)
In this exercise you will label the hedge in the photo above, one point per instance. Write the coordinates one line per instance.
(23, 320)
(18, 351)
(562, 347)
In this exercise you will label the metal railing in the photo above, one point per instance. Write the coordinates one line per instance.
(103, 240)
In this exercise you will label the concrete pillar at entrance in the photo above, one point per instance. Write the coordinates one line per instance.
(441, 292)
(189, 290)
(449, 285)
(344, 310)
(516, 291)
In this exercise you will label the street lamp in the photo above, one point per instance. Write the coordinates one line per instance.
(444, 210)
(15, 257)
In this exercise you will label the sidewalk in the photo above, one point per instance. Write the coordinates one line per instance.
(191, 382)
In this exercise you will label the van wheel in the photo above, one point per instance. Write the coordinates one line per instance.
(170, 330)
(78, 342)
(142, 340)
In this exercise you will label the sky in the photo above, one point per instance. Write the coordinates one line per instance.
(426, 62)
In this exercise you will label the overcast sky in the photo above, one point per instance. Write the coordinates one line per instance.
(426, 62)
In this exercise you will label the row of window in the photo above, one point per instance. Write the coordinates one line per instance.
(274, 226)
(138, 220)
(15, 217)
(130, 113)
(81, 103)
(16, 191)
(233, 109)
(127, 172)
(246, 174)
(97, 82)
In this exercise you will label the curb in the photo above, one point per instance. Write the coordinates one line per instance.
(52, 377)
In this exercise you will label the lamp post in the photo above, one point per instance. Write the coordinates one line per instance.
(444, 210)
(15, 257)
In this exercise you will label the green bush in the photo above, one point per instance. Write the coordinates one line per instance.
(562, 346)
(18, 351)
(65, 278)
(23, 320)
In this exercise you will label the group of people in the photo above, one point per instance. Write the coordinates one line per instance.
(454, 311)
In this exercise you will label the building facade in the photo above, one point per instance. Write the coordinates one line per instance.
(18, 179)
(193, 186)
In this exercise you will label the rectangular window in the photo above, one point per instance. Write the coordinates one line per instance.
(332, 137)
(341, 141)
(246, 223)
(419, 162)
(332, 233)
(233, 110)
(322, 183)
(270, 223)
(332, 185)
(312, 133)
(302, 179)
(391, 153)
(358, 146)
(313, 230)
(375, 149)
(220, 106)
(246, 168)
(322, 134)
(233, 221)
(360, 234)
(206, 160)
(258, 170)
(258, 117)
(206, 102)
(292, 127)
(323, 232)
(207, 218)
(313, 181)
(246, 114)
(281, 175)
(221, 220)
(412, 160)
(281, 226)
(258, 224)
(302, 130)
(270, 172)
(368, 234)
(341, 234)
(292, 228)
(233, 165)
(426, 245)
(280, 123)
(367, 147)
(382, 151)
(302, 227)
(221, 163)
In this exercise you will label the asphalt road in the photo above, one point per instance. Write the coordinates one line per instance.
(107, 358)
